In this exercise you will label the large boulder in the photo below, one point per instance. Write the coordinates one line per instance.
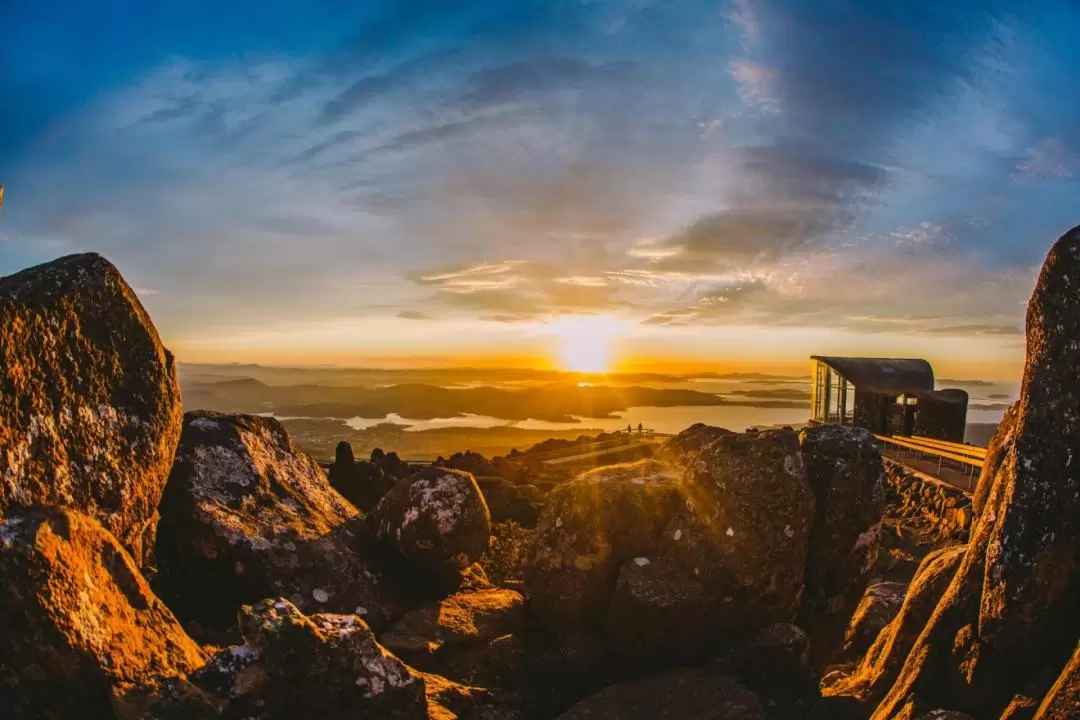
(682, 694)
(246, 515)
(588, 529)
(1062, 702)
(1010, 611)
(89, 403)
(77, 618)
(436, 520)
(744, 528)
(844, 469)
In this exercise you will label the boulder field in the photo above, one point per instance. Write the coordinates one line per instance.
(732, 575)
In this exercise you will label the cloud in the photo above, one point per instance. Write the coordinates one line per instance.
(757, 84)
(413, 315)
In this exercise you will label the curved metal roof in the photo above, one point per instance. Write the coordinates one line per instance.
(888, 376)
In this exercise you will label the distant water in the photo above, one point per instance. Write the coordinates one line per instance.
(676, 419)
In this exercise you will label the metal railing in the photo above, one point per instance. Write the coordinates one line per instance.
(970, 458)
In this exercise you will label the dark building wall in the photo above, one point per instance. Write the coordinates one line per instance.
(944, 418)
(872, 411)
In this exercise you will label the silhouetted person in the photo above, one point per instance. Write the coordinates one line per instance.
(640, 429)
(628, 429)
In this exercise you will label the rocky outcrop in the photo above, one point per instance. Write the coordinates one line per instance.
(77, 618)
(881, 665)
(247, 516)
(510, 503)
(89, 403)
(879, 605)
(361, 483)
(1010, 609)
(391, 465)
(1062, 702)
(588, 529)
(744, 528)
(844, 469)
(436, 521)
(685, 694)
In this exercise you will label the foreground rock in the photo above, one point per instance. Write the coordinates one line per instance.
(845, 472)
(681, 694)
(436, 521)
(247, 516)
(296, 666)
(1009, 614)
(744, 529)
(77, 618)
(89, 403)
(588, 529)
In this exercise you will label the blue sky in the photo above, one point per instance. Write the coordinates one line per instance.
(345, 181)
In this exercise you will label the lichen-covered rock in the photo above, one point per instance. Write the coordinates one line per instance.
(436, 520)
(246, 515)
(589, 527)
(685, 446)
(881, 665)
(1010, 610)
(318, 666)
(744, 528)
(844, 469)
(659, 613)
(89, 403)
(463, 622)
(77, 618)
(879, 605)
(682, 694)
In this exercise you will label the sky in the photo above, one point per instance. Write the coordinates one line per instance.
(695, 184)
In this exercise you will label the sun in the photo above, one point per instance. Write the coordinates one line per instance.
(585, 342)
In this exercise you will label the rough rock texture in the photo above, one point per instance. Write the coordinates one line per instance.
(778, 657)
(456, 625)
(879, 605)
(436, 520)
(361, 483)
(658, 612)
(744, 528)
(322, 666)
(881, 665)
(246, 516)
(844, 469)
(589, 527)
(685, 446)
(682, 694)
(76, 617)
(1063, 700)
(89, 403)
(393, 466)
(1010, 610)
